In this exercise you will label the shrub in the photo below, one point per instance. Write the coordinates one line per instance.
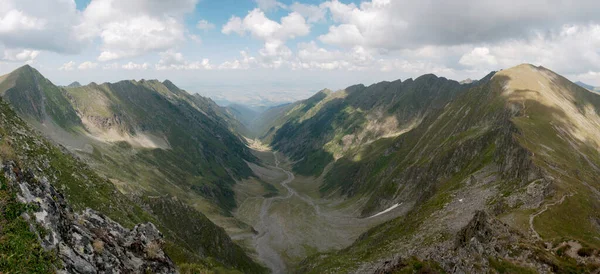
(98, 246)
(153, 250)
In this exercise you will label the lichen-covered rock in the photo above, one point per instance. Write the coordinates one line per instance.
(87, 242)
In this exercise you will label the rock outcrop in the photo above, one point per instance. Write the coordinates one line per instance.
(86, 242)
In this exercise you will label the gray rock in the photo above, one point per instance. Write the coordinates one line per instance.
(88, 242)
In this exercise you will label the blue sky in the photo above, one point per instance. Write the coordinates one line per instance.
(257, 51)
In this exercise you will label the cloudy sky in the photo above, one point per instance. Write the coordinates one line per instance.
(252, 50)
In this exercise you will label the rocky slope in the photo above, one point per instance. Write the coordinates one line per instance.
(85, 242)
(208, 171)
(494, 176)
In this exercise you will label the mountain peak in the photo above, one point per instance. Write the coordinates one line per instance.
(74, 85)
(172, 87)
(26, 69)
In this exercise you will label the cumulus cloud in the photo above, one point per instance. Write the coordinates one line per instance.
(274, 34)
(67, 66)
(20, 55)
(234, 24)
(125, 28)
(245, 62)
(174, 60)
(132, 28)
(257, 24)
(397, 24)
(311, 56)
(477, 57)
(312, 13)
(87, 65)
(40, 25)
(572, 49)
(135, 66)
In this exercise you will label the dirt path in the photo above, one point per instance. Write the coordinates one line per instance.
(546, 206)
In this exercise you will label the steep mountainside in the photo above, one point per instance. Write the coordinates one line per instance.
(501, 177)
(188, 139)
(34, 96)
(329, 125)
(168, 151)
(34, 214)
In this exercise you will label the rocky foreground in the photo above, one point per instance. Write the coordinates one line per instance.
(85, 242)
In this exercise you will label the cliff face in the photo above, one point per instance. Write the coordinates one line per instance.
(84, 242)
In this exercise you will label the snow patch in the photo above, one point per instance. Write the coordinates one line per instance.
(385, 211)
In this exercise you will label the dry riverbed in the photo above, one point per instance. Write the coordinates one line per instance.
(295, 222)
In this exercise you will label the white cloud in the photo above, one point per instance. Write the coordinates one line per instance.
(204, 25)
(343, 35)
(87, 65)
(396, 24)
(40, 25)
(245, 62)
(312, 13)
(274, 34)
(257, 24)
(20, 55)
(311, 56)
(572, 49)
(135, 66)
(479, 56)
(125, 28)
(132, 28)
(269, 5)
(67, 66)
(15, 20)
(139, 35)
(171, 60)
(234, 25)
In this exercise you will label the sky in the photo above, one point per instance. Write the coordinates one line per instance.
(269, 51)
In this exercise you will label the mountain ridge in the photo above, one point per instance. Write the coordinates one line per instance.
(149, 140)
(480, 164)
(489, 176)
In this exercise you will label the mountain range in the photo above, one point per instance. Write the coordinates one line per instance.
(425, 175)
(588, 87)
(167, 145)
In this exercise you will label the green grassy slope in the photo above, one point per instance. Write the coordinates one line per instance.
(332, 124)
(34, 96)
(516, 142)
(203, 161)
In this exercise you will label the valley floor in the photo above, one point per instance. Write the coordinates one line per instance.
(295, 222)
